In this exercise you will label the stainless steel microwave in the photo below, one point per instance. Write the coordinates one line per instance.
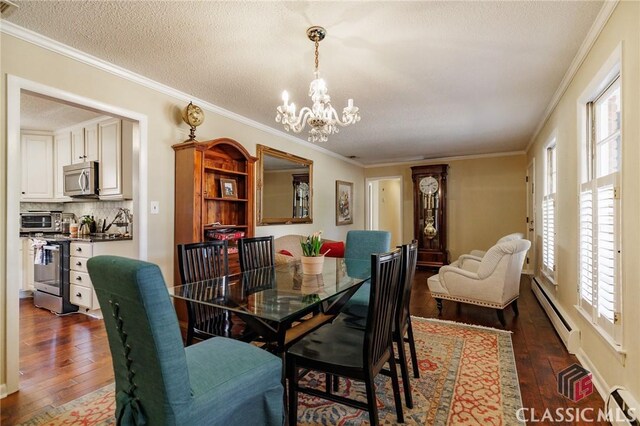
(81, 180)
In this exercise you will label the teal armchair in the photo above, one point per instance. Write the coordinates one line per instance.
(158, 382)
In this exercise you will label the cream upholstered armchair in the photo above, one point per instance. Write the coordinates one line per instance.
(471, 261)
(493, 282)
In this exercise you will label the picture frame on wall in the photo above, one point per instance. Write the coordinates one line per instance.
(344, 203)
(228, 188)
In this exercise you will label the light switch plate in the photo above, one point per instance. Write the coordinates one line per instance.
(155, 207)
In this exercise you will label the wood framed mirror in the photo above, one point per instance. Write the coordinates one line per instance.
(284, 187)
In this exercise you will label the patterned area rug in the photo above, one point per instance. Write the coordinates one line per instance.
(467, 377)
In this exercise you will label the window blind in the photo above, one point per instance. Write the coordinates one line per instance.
(548, 234)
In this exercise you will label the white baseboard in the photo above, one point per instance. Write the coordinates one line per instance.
(598, 381)
(3, 390)
(566, 329)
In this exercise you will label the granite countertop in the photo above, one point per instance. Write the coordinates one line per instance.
(95, 238)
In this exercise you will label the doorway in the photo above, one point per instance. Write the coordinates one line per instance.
(384, 206)
(16, 87)
(530, 261)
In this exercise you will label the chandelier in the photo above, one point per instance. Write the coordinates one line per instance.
(322, 118)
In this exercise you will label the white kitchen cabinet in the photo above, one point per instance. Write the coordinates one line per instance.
(62, 157)
(84, 146)
(115, 151)
(37, 167)
(27, 265)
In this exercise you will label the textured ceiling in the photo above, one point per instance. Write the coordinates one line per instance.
(432, 79)
(38, 113)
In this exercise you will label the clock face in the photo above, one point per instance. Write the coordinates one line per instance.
(304, 188)
(429, 185)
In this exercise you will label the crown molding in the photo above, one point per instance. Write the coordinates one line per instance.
(85, 58)
(423, 160)
(601, 20)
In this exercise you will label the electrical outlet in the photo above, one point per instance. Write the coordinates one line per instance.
(155, 207)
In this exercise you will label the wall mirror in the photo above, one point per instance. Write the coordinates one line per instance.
(284, 187)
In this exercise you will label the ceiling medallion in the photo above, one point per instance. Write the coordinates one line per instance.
(322, 118)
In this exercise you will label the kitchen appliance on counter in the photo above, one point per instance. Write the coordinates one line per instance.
(81, 180)
(51, 277)
(44, 221)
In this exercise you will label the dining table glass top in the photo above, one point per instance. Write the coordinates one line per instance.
(277, 293)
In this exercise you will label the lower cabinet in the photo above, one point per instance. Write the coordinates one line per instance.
(81, 293)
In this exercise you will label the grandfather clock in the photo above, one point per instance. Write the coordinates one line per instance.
(430, 214)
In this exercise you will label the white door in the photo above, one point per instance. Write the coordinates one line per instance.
(37, 167)
(91, 149)
(77, 145)
(530, 261)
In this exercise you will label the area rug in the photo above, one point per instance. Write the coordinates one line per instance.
(467, 377)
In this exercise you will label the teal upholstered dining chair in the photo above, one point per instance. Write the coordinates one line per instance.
(361, 245)
(159, 382)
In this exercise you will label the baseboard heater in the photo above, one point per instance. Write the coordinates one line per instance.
(567, 331)
(623, 408)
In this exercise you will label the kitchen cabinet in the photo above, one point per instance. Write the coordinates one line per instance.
(62, 157)
(26, 266)
(82, 292)
(84, 144)
(115, 151)
(37, 167)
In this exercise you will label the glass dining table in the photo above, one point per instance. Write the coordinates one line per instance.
(281, 304)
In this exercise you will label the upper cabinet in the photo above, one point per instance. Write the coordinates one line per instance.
(108, 141)
(85, 144)
(114, 156)
(62, 157)
(37, 166)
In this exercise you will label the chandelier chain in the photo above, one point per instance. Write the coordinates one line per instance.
(317, 54)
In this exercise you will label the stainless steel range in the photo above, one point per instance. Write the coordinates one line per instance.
(51, 277)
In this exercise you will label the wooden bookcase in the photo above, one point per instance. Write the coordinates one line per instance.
(200, 207)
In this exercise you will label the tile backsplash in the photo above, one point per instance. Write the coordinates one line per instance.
(98, 209)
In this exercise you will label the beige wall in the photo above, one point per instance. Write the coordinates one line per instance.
(37, 64)
(485, 200)
(623, 27)
(389, 210)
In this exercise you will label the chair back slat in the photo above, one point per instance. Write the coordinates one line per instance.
(409, 261)
(385, 277)
(199, 262)
(256, 252)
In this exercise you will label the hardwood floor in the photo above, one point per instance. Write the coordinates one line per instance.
(63, 358)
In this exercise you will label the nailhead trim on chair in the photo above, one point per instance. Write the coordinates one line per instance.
(115, 307)
(472, 301)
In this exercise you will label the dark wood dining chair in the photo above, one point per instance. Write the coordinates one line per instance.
(199, 262)
(256, 252)
(359, 354)
(402, 319)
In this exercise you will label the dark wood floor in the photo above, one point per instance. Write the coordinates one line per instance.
(63, 358)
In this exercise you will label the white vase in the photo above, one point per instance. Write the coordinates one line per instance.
(312, 265)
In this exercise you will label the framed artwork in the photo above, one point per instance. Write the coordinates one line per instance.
(344, 202)
(228, 188)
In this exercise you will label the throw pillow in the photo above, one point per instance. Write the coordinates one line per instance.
(332, 249)
(285, 252)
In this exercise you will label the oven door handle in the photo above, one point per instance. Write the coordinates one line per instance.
(81, 181)
(52, 248)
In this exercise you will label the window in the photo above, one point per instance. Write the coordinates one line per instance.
(549, 212)
(599, 210)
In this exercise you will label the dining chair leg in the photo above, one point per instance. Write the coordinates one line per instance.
(412, 349)
(372, 405)
(336, 383)
(328, 378)
(292, 375)
(396, 386)
(404, 370)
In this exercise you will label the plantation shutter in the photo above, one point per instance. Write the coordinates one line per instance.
(607, 254)
(548, 234)
(587, 290)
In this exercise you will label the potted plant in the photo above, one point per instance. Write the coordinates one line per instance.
(312, 260)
